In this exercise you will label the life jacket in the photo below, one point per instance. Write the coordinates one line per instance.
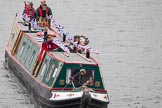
(48, 45)
(51, 45)
(27, 12)
(40, 11)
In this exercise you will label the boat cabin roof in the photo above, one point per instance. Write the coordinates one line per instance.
(73, 58)
(59, 55)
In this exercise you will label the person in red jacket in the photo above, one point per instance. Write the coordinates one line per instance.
(29, 10)
(47, 45)
(43, 10)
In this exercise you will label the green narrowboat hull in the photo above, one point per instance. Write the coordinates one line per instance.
(50, 81)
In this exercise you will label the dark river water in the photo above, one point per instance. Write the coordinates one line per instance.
(128, 34)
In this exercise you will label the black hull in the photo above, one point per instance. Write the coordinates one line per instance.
(39, 92)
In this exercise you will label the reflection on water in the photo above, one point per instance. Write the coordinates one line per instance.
(128, 35)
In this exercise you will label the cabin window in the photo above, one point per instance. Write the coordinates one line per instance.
(27, 53)
(44, 68)
(22, 48)
(68, 75)
(54, 74)
(49, 73)
(13, 37)
(12, 40)
(80, 76)
(13, 34)
(32, 57)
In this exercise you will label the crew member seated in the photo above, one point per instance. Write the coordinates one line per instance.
(85, 79)
(30, 11)
(90, 82)
(83, 76)
(85, 41)
(43, 11)
(78, 41)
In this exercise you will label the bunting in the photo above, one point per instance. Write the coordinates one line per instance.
(60, 30)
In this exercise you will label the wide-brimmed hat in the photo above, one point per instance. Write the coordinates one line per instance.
(82, 70)
(49, 37)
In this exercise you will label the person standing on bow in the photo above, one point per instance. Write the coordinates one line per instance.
(29, 10)
(43, 10)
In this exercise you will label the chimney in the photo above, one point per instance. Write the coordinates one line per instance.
(29, 26)
(88, 53)
(64, 37)
(45, 32)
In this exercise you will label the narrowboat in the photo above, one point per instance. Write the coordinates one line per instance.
(60, 78)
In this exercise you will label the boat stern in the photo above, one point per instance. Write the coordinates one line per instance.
(79, 99)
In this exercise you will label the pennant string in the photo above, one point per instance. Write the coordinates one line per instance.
(60, 30)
